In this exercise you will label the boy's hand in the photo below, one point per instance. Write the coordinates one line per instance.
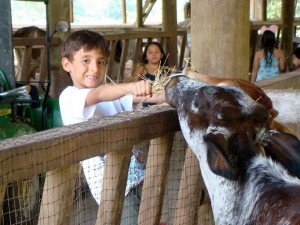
(142, 89)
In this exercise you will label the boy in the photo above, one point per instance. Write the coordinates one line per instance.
(296, 58)
(84, 57)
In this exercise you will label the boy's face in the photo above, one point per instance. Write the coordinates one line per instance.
(296, 61)
(87, 69)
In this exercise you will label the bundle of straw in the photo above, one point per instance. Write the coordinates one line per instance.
(162, 78)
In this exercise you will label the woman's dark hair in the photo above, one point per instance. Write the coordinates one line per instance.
(163, 60)
(85, 39)
(268, 43)
(296, 52)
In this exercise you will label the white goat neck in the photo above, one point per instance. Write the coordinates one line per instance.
(221, 191)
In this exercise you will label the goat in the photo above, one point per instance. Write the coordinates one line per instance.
(255, 92)
(223, 125)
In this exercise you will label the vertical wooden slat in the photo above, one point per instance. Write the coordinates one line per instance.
(124, 17)
(2, 195)
(288, 29)
(189, 191)
(26, 64)
(58, 194)
(112, 196)
(170, 25)
(139, 13)
(155, 180)
(120, 76)
(112, 49)
(182, 50)
(43, 67)
(137, 54)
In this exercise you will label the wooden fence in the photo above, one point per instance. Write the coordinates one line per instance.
(57, 152)
(126, 45)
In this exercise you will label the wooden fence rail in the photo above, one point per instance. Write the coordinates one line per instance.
(59, 151)
(124, 44)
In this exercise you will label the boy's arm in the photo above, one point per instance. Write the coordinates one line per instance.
(155, 98)
(111, 92)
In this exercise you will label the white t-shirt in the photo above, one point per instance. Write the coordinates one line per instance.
(72, 102)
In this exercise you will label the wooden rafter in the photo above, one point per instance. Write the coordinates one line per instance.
(147, 8)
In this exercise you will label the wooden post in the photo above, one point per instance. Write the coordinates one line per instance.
(6, 46)
(258, 10)
(114, 184)
(58, 194)
(155, 180)
(169, 12)
(189, 191)
(220, 37)
(58, 10)
(2, 196)
(139, 13)
(287, 13)
(124, 16)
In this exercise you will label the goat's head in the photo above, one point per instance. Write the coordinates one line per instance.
(230, 124)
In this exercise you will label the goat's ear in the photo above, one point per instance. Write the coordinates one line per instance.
(285, 149)
(216, 159)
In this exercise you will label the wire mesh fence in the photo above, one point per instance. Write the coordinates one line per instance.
(132, 168)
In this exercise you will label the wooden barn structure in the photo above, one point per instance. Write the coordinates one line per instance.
(223, 42)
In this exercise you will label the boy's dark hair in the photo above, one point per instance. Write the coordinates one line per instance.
(268, 43)
(85, 39)
(144, 56)
(296, 52)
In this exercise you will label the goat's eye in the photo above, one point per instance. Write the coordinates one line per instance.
(196, 104)
(219, 116)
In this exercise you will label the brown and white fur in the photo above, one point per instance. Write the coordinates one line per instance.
(222, 126)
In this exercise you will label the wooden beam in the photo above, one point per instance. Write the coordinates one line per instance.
(139, 13)
(169, 12)
(6, 50)
(288, 13)
(124, 16)
(220, 37)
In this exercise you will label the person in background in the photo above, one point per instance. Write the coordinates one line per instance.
(296, 58)
(84, 57)
(269, 61)
(153, 62)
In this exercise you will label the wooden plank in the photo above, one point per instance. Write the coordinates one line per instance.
(24, 156)
(2, 196)
(136, 35)
(170, 25)
(123, 59)
(189, 191)
(288, 30)
(284, 81)
(111, 58)
(113, 191)
(137, 53)
(58, 194)
(39, 41)
(155, 180)
(6, 50)
(26, 59)
(43, 67)
(182, 50)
